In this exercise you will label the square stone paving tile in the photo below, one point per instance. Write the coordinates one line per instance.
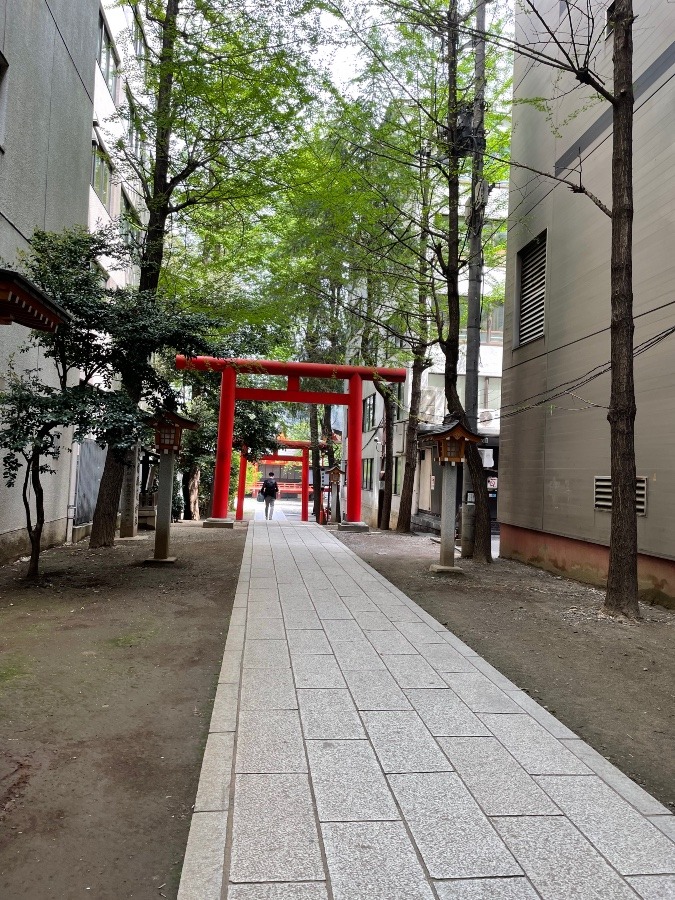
(480, 694)
(342, 630)
(266, 654)
(487, 889)
(375, 690)
(664, 823)
(391, 643)
(274, 834)
(444, 713)
(445, 658)
(413, 672)
(373, 861)
(535, 749)
(287, 891)
(266, 629)
(329, 714)
(359, 603)
(308, 643)
(621, 783)
(301, 620)
(500, 785)
(654, 887)
(357, 656)
(374, 621)
(317, 672)
(419, 633)
(454, 836)
(266, 610)
(458, 644)
(559, 861)
(541, 715)
(348, 783)
(268, 689)
(403, 743)
(398, 612)
(331, 609)
(629, 841)
(270, 741)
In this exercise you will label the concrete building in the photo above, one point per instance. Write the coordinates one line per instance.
(46, 104)
(555, 490)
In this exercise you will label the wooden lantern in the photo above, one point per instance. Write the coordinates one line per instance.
(450, 441)
(169, 427)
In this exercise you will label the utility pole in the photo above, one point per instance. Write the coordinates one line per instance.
(479, 192)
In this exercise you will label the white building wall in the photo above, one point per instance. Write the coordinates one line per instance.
(46, 101)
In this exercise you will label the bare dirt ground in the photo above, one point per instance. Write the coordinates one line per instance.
(108, 671)
(612, 684)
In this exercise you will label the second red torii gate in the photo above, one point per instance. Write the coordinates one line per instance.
(303, 458)
(293, 372)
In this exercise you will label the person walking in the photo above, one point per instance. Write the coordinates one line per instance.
(270, 489)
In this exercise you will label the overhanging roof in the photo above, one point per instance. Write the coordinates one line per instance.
(23, 303)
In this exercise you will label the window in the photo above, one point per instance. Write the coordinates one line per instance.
(130, 227)
(137, 36)
(369, 413)
(101, 174)
(602, 491)
(610, 13)
(399, 400)
(532, 292)
(3, 99)
(367, 474)
(399, 462)
(107, 58)
(436, 380)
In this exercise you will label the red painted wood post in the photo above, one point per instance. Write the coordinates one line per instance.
(221, 481)
(354, 448)
(241, 489)
(304, 514)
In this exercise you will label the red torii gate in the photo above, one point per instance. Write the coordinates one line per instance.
(293, 372)
(303, 458)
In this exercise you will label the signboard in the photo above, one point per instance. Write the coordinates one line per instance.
(492, 482)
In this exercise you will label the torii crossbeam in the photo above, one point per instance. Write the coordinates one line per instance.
(292, 393)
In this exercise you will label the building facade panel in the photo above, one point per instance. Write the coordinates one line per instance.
(575, 443)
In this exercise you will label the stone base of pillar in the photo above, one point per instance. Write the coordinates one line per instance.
(218, 523)
(445, 570)
(353, 526)
(151, 561)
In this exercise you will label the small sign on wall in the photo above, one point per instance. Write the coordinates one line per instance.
(433, 482)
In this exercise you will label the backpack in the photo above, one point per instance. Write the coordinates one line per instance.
(269, 487)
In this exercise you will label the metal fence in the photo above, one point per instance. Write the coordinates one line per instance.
(90, 461)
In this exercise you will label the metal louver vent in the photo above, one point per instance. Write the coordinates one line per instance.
(532, 290)
(603, 494)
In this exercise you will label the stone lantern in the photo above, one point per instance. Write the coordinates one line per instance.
(450, 440)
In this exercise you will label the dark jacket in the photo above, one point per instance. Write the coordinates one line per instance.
(270, 488)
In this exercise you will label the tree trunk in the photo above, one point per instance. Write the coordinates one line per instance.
(622, 584)
(107, 503)
(327, 433)
(34, 531)
(190, 486)
(316, 460)
(384, 515)
(472, 465)
(408, 487)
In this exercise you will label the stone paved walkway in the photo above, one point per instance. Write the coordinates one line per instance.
(360, 751)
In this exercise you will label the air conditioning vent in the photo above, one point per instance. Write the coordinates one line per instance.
(399, 438)
(532, 290)
(603, 494)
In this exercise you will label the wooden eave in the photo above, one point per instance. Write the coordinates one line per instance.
(21, 302)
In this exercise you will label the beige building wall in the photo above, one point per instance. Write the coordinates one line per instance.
(550, 454)
(46, 101)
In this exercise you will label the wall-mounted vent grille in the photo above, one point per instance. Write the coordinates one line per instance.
(603, 494)
(532, 290)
